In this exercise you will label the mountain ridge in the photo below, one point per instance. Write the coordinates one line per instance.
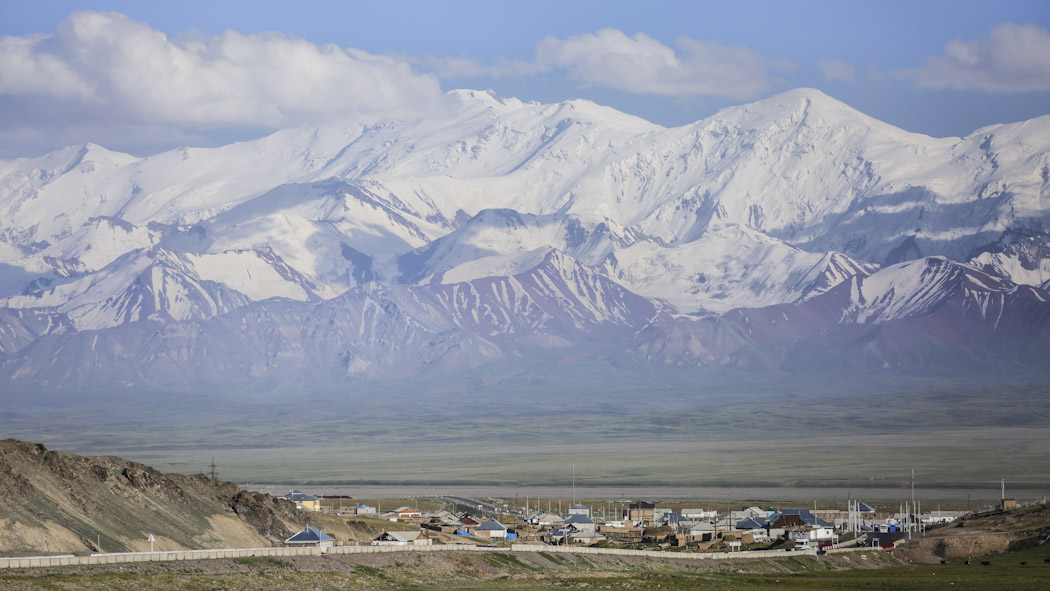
(604, 220)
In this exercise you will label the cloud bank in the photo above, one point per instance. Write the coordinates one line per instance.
(119, 69)
(643, 65)
(1011, 58)
(638, 65)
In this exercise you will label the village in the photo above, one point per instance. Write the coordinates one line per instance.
(640, 525)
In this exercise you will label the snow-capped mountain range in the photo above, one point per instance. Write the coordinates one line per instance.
(522, 232)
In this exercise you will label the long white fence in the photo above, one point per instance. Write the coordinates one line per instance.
(123, 557)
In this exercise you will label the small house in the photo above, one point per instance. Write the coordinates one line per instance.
(311, 537)
(641, 512)
(697, 514)
(758, 528)
(407, 513)
(581, 523)
(304, 501)
(547, 520)
(492, 529)
(402, 538)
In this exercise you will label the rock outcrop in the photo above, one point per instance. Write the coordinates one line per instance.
(53, 501)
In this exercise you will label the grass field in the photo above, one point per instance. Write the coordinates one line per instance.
(535, 572)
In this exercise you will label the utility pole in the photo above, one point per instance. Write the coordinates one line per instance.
(911, 517)
(214, 475)
(849, 515)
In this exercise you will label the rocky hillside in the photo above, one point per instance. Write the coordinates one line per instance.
(54, 501)
(990, 532)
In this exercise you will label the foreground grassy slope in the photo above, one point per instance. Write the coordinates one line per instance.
(534, 572)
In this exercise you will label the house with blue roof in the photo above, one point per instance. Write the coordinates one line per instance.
(492, 529)
(865, 508)
(804, 515)
(304, 501)
(669, 518)
(758, 528)
(800, 523)
(311, 537)
(581, 523)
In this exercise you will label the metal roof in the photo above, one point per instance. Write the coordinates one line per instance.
(309, 535)
(806, 516)
(400, 536)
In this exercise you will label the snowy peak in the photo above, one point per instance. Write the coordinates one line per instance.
(473, 102)
(918, 288)
(484, 101)
(834, 268)
(502, 227)
(804, 106)
(1022, 259)
(506, 232)
(148, 284)
(80, 158)
(557, 301)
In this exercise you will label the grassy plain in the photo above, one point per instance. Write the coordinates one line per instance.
(665, 438)
(536, 572)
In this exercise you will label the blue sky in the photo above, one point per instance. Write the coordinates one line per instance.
(145, 76)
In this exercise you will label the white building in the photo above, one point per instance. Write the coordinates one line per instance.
(401, 538)
(492, 529)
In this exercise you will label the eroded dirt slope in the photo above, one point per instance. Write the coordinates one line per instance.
(54, 501)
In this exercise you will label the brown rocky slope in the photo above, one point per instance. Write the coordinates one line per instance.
(990, 532)
(59, 502)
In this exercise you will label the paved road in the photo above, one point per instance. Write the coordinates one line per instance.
(474, 503)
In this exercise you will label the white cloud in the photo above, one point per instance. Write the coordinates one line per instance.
(1011, 58)
(643, 65)
(838, 70)
(108, 66)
